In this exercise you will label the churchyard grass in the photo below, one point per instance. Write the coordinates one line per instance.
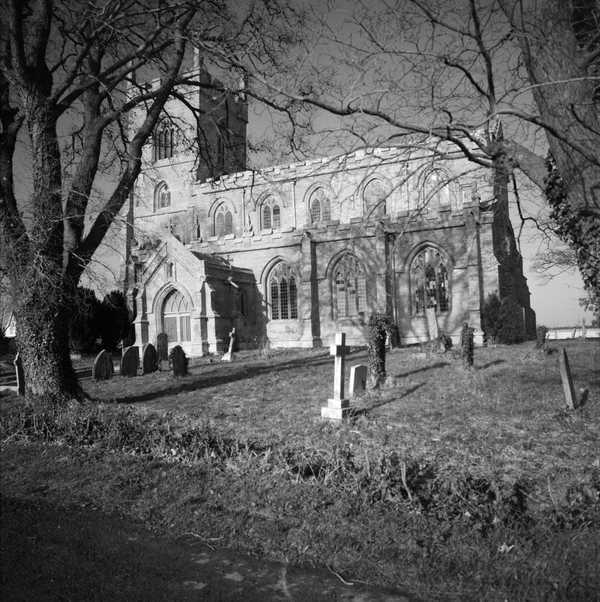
(454, 483)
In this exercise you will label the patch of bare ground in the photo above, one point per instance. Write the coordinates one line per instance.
(452, 483)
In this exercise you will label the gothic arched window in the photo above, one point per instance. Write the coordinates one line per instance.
(222, 221)
(276, 217)
(162, 196)
(270, 214)
(283, 293)
(429, 281)
(320, 207)
(164, 141)
(374, 196)
(349, 288)
(176, 317)
(436, 190)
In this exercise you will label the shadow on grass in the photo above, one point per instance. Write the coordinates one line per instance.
(356, 412)
(425, 369)
(492, 363)
(197, 382)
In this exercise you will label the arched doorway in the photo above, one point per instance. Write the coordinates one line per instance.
(175, 317)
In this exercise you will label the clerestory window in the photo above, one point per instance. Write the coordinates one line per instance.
(319, 206)
(222, 221)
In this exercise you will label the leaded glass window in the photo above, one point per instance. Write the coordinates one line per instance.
(436, 190)
(176, 317)
(375, 194)
(266, 217)
(162, 196)
(429, 281)
(223, 222)
(283, 293)
(350, 288)
(164, 142)
(320, 207)
(270, 214)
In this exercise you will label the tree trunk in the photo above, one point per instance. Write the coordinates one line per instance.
(43, 341)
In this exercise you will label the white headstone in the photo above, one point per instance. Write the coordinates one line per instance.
(228, 357)
(358, 379)
(337, 407)
(432, 324)
(20, 374)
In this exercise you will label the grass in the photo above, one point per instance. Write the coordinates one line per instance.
(457, 484)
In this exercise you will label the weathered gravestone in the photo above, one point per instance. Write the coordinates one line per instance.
(130, 361)
(149, 358)
(162, 350)
(103, 366)
(338, 406)
(467, 345)
(432, 323)
(228, 357)
(162, 346)
(18, 363)
(179, 362)
(567, 380)
(358, 379)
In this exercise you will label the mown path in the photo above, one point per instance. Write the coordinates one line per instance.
(51, 553)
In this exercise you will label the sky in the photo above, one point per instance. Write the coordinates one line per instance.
(556, 299)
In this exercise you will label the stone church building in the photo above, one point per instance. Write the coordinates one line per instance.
(290, 254)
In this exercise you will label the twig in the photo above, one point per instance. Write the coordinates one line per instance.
(205, 540)
(403, 476)
(4, 441)
(338, 576)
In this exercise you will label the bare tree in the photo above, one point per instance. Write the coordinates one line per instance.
(504, 81)
(67, 74)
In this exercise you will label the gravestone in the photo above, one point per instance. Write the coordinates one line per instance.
(467, 345)
(162, 346)
(567, 381)
(358, 379)
(103, 366)
(338, 406)
(179, 361)
(149, 359)
(432, 323)
(130, 361)
(228, 357)
(18, 363)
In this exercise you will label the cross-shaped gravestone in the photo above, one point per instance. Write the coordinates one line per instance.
(337, 407)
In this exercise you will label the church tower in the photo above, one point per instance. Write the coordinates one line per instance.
(221, 128)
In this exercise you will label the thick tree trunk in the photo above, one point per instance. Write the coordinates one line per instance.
(43, 342)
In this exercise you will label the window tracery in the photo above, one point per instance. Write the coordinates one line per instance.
(270, 214)
(283, 293)
(350, 288)
(162, 196)
(222, 221)
(319, 206)
(374, 195)
(429, 281)
(164, 142)
(176, 317)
